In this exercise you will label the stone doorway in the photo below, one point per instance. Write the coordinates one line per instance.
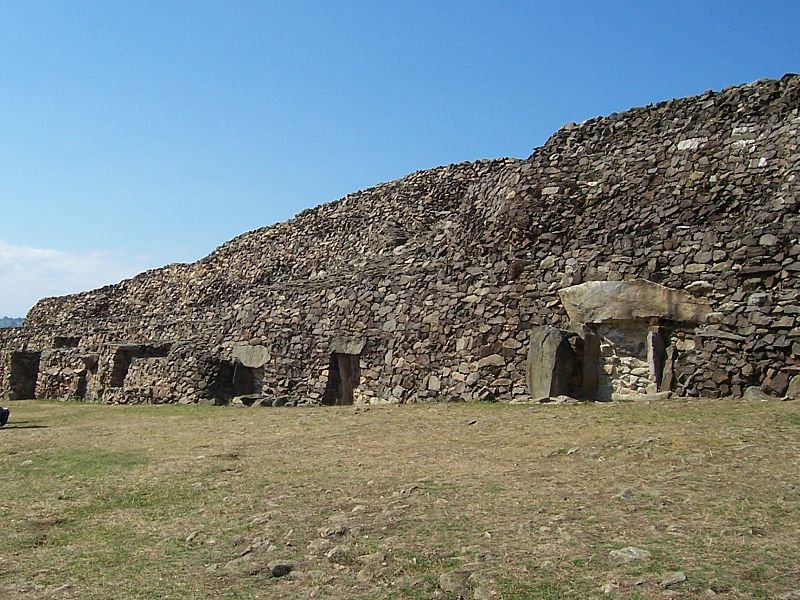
(344, 375)
(632, 358)
(85, 376)
(23, 372)
(630, 323)
(247, 381)
(123, 357)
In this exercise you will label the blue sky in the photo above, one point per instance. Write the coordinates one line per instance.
(136, 134)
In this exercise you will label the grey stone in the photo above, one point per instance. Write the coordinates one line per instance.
(636, 397)
(493, 360)
(550, 363)
(758, 300)
(672, 579)
(756, 394)
(348, 345)
(333, 531)
(699, 288)
(768, 240)
(242, 565)
(251, 356)
(340, 553)
(603, 301)
(625, 556)
(793, 391)
(246, 400)
(695, 268)
(720, 334)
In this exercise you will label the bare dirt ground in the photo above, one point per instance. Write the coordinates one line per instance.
(478, 500)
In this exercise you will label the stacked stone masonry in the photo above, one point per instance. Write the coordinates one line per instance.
(430, 287)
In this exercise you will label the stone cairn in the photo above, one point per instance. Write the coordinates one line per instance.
(460, 282)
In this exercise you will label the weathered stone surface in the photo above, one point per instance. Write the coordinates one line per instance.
(671, 579)
(793, 391)
(756, 394)
(633, 397)
(493, 360)
(603, 301)
(624, 556)
(251, 356)
(452, 266)
(348, 345)
(550, 363)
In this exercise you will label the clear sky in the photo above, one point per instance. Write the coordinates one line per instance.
(135, 134)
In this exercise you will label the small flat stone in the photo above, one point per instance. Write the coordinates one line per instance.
(767, 240)
(625, 556)
(673, 579)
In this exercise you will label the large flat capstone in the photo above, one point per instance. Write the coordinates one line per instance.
(347, 345)
(251, 356)
(603, 301)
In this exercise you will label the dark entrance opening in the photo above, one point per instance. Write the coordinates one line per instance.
(61, 341)
(344, 375)
(247, 380)
(24, 370)
(85, 375)
(124, 355)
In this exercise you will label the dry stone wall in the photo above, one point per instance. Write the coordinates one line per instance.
(63, 373)
(442, 275)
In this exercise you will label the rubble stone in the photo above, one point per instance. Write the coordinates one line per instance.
(438, 278)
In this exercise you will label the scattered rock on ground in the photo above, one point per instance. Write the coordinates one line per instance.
(455, 583)
(755, 393)
(672, 579)
(339, 553)
(609, 588)
(333, 531)
(624, 556)
(279, 568)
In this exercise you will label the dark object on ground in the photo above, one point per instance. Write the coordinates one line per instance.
(4, 413)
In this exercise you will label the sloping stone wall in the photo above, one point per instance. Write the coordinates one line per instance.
(444, 272)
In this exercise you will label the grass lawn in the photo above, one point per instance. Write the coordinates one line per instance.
(495, 501)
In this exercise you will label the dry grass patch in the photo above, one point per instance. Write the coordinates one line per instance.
(512, 502)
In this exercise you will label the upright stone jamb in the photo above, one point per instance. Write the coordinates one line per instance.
(551, 361)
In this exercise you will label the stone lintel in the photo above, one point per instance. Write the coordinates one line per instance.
(252, 356)
(348, 345)
(638, 299)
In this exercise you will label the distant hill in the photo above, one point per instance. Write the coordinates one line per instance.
(11, 322)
